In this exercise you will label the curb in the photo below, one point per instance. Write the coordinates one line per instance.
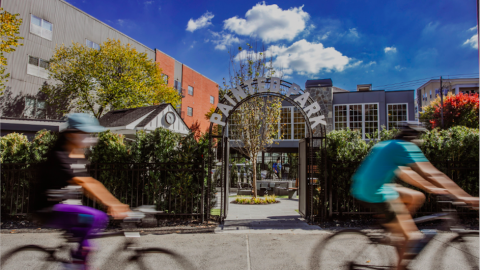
(143, 231)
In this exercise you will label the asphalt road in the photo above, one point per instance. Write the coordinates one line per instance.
(231, 251)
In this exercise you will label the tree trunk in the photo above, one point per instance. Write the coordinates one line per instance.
(254, 178)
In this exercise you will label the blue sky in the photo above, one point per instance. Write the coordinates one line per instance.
(351, 42)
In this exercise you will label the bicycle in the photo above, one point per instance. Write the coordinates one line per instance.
(356, 249)
(136, 256)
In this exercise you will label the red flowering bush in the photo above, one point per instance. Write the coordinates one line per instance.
(458, 110)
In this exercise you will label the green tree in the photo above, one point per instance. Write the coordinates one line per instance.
(116, 76)
(9, 30)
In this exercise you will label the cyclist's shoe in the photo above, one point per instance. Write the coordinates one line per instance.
(416, 246)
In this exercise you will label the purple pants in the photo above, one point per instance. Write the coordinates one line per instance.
(81, 221)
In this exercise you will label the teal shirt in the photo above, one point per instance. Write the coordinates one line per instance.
(368, 182)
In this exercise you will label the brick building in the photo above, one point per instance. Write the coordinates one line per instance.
(199, 93)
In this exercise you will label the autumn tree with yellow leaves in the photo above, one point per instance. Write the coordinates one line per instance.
(116, 76)
(9, 30)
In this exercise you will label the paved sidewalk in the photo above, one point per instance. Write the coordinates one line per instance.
(273, 218)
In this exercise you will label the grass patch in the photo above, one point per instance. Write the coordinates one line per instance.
(258, 200)
(215, 212)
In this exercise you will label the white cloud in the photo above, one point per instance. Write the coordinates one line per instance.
(353, 32)
(222, 40)
(120, 22)
(355, 64)
(473, 41)
(147, 2)
(325, 36)
(390, 49)
(269, 22)
(473, 28)
(307, 58)
(201, 22)
(371, 63)
(399, 68)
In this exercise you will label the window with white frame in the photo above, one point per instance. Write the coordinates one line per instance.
(189, 111)
(285, 130)
(190, 90)
(34, 108)
(93, 45)
(341, 117)
(212, 100)
(355, 117)
(41, 27)
(361, 117)
(37, 67)
(371, 119)
(396, 113)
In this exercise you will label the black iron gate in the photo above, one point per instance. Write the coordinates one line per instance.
(312, 183)
(226, 178)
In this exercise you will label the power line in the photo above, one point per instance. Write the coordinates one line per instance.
(419, 81)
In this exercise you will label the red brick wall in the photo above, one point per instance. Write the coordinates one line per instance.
(203, 88)
(167, 64)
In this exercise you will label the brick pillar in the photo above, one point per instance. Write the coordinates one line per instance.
(324, 97)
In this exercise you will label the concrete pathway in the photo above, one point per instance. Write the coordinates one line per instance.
(273, 218)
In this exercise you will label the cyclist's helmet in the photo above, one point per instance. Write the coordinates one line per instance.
(409, 130)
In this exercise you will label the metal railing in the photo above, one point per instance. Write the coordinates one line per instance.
(175, 188)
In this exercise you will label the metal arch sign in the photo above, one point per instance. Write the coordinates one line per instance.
(275, 83)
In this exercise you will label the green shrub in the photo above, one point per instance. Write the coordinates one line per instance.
(15, 147)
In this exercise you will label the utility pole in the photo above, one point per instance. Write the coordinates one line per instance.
(441, 99)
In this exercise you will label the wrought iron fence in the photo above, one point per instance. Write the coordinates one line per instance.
(175, 188)
(338, 199)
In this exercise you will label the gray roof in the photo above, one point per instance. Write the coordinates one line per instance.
(124, 117)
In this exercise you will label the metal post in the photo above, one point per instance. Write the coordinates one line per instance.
(441, 100)
(203, 192)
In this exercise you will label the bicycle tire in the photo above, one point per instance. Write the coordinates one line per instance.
(146, 261)
(350, 249)
(457, 253)
(31, 257)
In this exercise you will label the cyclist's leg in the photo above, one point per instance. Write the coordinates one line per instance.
(81, 221)
(411, 198)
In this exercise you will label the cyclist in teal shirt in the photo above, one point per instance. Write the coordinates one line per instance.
(373, 185)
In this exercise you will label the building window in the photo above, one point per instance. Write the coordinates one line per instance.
(189, 111)
(165, 78)
(34, 108)
(37, 67)
(176, 85)
(41, 27)
(93, 45)
(361, 117)
(212, 100)
(190, 90)
(341, 117)
(396, 113)
(430, 94)
(371, 119)
(285, 130)
(355, 117)
(298, 124)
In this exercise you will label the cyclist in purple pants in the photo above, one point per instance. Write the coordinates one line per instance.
(64, 179)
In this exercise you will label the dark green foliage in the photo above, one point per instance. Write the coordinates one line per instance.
(453, 151)
(15, 147)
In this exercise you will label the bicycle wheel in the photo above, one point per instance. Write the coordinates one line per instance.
(351, 249)
(30, 257)
(458, 252)
(152, 258)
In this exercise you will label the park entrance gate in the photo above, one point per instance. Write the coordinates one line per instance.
(311, 176)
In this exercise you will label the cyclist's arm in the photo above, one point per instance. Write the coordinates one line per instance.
(428, 172)
(409, 176)
(97, 191)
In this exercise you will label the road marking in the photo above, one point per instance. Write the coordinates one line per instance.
(248, 254)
